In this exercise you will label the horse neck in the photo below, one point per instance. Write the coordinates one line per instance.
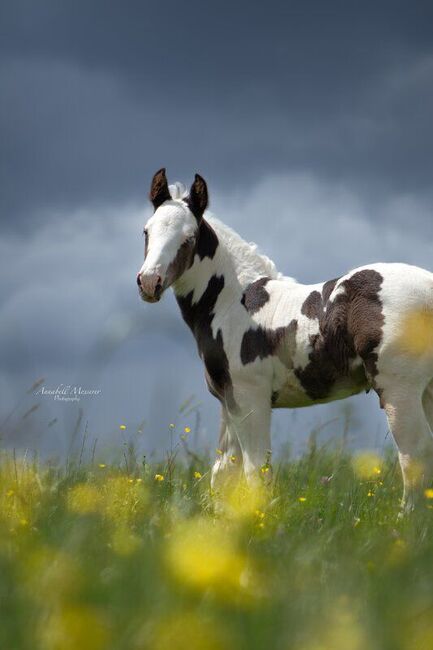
(218, 256)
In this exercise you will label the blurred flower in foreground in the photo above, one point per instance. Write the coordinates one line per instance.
(185, 631)
(118, 499)
(428, 493)
(244, 501)
(73, 627)
(417, 633)
(367, 465)
(20, 493)
(124, 500)
(159, 477)
(342, 631)
(51, 575)
(203, 555)
(398, 552)
(124, 542)
(85, 498)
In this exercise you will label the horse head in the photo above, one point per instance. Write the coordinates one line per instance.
(170, 234)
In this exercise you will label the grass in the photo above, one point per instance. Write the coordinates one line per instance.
(95, 557)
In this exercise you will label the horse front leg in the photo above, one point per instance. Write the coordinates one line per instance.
(228, 465)
(251, 425)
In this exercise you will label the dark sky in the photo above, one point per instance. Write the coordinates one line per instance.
(96, 95)
(314, 115)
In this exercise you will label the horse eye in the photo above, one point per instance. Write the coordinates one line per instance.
(145, 232)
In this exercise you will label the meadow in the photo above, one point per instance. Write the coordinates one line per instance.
(134, 556)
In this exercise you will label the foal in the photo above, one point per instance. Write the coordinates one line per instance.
(267, 341)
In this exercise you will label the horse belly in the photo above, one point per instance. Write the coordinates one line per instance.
(290, 393)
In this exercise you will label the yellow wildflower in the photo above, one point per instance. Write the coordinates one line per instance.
(124, 499)
(367, 465)
(187, 430)
(124, 542)
(302, 499)
(197, 475)
(219, 452)
(102, 465)
(202, 556)
(428, 493)
(341, 629)
(244, 501)
(159, 477)
(71, 627)
(84, 499)
(122, 427)
(184, 630)
(233, 459)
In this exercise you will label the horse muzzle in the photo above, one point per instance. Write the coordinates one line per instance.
(150, 287)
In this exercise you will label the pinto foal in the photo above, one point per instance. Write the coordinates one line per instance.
(267, 341)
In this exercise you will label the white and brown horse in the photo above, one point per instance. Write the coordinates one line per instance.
(267, 341)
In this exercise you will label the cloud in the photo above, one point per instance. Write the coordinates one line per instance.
(315, 230)
(92, 107)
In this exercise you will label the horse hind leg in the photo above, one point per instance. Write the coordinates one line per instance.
(410, 427)
(427, 402)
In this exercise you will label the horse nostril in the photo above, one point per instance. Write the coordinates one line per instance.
(139, 279)
(158, 286)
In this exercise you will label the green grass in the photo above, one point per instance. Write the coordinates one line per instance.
(96, 558)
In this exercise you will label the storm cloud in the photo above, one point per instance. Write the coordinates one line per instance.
(98, 95)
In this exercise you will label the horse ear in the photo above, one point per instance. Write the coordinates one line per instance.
(159, 191)
(198, 197)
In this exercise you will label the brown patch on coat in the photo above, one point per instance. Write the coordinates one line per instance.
(207, 240)
(350, 326)
(159, 192)
(262, 342)
(327, 289)
(314, 304)
(355, 321)
(204, 245)
(255, 295)
(198, 317)
(183, 261)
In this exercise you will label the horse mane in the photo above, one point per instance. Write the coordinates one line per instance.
(249, 262)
